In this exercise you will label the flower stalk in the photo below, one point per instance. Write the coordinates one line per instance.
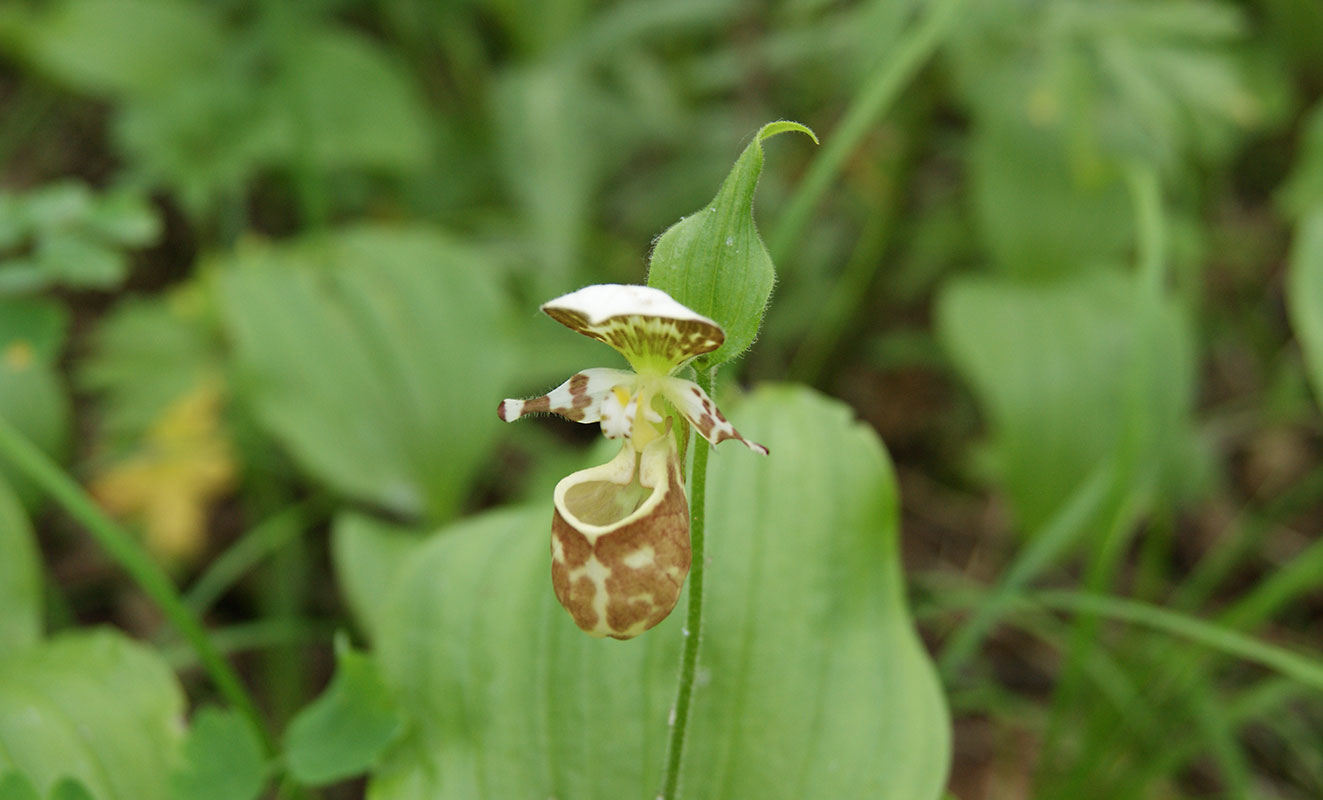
(693, 630)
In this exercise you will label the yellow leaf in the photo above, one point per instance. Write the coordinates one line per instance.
(184, 464)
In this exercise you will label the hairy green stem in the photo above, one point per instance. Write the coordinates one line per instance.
(694, 623)
(126, 551)
(878, 92)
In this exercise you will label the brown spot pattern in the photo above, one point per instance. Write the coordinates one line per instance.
(635, 595)
(676, 340)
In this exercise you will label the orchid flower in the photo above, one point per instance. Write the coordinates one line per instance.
(620, 533)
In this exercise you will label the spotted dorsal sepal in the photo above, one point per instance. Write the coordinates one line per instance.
(578, 399)
(649, 328)
(618, 569)
(691, 401)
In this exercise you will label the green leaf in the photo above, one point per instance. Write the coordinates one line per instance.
(1039, 214)
(376, 356)
(20, 576)
(15, 786)
(813, 682)
(344, 731)
(1124, 81)
(120, 47)
(715, 262)
(1304, 190)
(146, 354)
(377, 553)
(1304, 295)
(69, 789)
(74, 236)
(222, 759)
(1069, 374)
(32, 397)
(75, 259)
(39, 324)
(349, 105)
(92, 706)
(125, 218)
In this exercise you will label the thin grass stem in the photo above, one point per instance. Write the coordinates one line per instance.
(879, 92)
(125, 550)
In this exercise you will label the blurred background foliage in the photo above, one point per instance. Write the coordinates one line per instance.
(263, 263)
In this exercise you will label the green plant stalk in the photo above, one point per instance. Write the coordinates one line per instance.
(252, 548)
(283, 597)
(257, 635)
(879, 91)
(126, 551)
(694, 622)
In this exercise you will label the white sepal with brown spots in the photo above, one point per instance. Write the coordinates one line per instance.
(691, 401)
(578, 399)
(620, 540)
(649, 328)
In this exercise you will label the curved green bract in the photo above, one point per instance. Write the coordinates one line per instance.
(811, 680)
(714, 261)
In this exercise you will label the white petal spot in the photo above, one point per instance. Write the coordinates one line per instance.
(640, 558)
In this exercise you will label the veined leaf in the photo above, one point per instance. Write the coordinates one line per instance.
(812, 682)
(373, 355)
(95, 707)
(714, 261)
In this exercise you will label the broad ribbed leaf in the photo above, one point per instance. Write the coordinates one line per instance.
(1070, 374)
(714, 261)
(812, 682)
(94, 707)
(373, 355)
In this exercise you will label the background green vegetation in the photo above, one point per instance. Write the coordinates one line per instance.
(266, 268)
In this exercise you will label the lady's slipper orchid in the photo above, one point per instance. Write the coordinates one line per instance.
(620, 533)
